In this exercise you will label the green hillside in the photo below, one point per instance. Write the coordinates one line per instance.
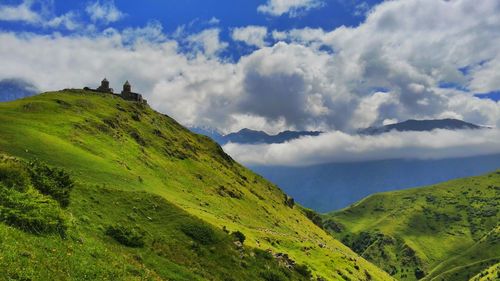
(150, 200)
(490, 274)
(448, 231)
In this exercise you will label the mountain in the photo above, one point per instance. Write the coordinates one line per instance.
(211, 133)
(333, 186)
(447, 231)
(247, 136)
(421, 126)
(96, 187)
(13, 89)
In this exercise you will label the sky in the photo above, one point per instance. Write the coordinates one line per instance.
(272, 65)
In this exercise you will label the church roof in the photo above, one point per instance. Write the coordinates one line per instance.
(127, 83)
(105, 80)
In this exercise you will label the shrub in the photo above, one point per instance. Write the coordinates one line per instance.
(272, 276)
(261, 254)
(51, 181)
(314, 217)
(199, 232)
(131, 237)
(13, 175)
(332, 225)
(31, 211)
(303, 270)
(289, 201)
(419, 273)
(239, 236)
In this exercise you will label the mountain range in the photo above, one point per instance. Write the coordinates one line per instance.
(331, 186)
(248, 136)
(421, 126)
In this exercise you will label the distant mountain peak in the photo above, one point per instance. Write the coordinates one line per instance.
(249, 136)
(13, 89)
(425, 125)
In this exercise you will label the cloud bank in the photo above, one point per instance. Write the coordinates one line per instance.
(339, 147)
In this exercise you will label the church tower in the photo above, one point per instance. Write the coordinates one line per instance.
(127, 91)
(104, 88)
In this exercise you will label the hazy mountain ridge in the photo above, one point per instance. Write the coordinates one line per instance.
(248, 136)
(13, 89)
(421, 126)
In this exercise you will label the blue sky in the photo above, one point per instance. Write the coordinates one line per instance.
(196, 15)
(172, 14)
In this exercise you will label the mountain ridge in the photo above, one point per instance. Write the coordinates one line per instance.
(249, 136)
(421, 126)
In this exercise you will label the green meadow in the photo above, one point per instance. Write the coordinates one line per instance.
(449, 231)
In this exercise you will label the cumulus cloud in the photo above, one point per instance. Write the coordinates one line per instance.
(291, 7)
(22, 12)
(42, 16)
(341, 147)
(208, 41)
(104, 11)
(68, 21)
(251, 35)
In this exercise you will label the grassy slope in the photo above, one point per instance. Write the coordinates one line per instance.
(490, 274)
(87, 254)
(116, 145)
(449, 230)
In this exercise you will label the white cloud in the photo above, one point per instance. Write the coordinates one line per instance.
(213, 21)
(152, 32)
(41, 17)
(208, 41)
(252, 35)
(361, 8)
(69, 21)
(291, 7)
(21, 12)
(341, 147)
(104, 11)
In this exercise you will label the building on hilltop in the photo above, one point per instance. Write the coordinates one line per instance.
(104, 88)
(126, 93)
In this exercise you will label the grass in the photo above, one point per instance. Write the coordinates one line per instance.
(490, 274)
(137, 170)
(447, 231)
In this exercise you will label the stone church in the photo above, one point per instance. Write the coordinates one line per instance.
(126, 93)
